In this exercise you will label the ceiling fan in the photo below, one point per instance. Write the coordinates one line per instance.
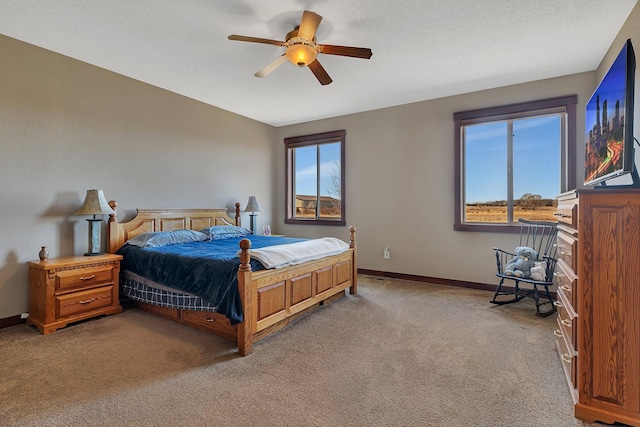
(302, 49)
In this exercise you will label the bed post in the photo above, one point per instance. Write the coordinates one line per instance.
(245, 286)
(353, 290)
(238, 214)
(112, 228)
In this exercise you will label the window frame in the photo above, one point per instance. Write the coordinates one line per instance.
(513, 111)
(303, 141)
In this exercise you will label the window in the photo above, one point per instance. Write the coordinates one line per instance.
(512, 162)
(315, 179)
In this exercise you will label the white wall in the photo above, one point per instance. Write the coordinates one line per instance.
(400, 182)
(66, 127)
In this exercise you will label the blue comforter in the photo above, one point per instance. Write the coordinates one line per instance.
(206, 269)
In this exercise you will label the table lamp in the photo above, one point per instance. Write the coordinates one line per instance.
(253, 206)
(94, 204)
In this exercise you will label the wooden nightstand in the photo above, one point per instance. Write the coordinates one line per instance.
(69, 289)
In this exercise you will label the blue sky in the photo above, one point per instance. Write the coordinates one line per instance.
(306, 168)
(536, 159)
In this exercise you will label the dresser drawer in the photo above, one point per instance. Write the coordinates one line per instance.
(567, 355)
(567, 212)
(568, 250)
(84, 277)
(70, 304)
(566, 280)
(566, 318)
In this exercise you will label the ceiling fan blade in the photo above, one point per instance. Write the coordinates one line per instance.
(272, 66)
(309, 25)
(256, 40)
(354, 52)
(320, 73)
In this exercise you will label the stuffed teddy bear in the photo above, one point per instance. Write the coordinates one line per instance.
(521, 264)
(539, 271)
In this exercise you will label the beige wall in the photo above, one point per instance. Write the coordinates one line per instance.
(66, 127)
(400, 182)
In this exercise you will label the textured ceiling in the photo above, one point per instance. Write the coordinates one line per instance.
(422, 49)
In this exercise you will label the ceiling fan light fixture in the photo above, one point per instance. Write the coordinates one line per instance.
(301, 52)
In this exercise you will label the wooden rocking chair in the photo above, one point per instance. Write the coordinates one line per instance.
(541, 237)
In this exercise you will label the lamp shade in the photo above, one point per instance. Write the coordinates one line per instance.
(95, 204)
(253, 205)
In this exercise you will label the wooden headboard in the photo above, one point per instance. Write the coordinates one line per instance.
(150, 220)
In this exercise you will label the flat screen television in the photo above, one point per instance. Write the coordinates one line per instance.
(609, 151)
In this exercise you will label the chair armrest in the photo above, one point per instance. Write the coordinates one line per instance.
(501, 251)
(502, 259)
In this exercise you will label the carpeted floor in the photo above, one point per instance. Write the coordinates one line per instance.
(398, 354)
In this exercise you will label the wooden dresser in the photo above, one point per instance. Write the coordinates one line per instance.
(65, 290)
(598, 278)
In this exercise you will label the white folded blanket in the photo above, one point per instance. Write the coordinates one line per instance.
(296, 253)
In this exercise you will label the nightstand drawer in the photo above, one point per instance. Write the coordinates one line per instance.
(84, 277)
(80, 302)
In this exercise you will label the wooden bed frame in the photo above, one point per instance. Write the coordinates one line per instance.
(270, 298)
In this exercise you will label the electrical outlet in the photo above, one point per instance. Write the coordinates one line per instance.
(386, 252)
(24, 316)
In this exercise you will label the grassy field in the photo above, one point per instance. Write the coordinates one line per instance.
(499, 213)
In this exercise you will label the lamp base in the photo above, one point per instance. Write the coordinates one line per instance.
(94, 237)
(252, 222)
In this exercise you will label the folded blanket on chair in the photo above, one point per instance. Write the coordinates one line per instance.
(296, 253)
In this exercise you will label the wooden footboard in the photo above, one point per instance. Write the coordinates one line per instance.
(270, 298)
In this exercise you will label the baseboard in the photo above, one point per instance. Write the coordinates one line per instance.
(435, 280)
(427, 279)
(11, 321)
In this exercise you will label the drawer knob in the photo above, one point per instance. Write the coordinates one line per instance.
(566, 358)
(557, 333)
(208, 319)
(558, 274)
(557, 303)
(566, 288)
(88, 278)
(86, 301)
(566, 322)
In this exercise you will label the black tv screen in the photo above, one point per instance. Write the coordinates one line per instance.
(609, 122)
